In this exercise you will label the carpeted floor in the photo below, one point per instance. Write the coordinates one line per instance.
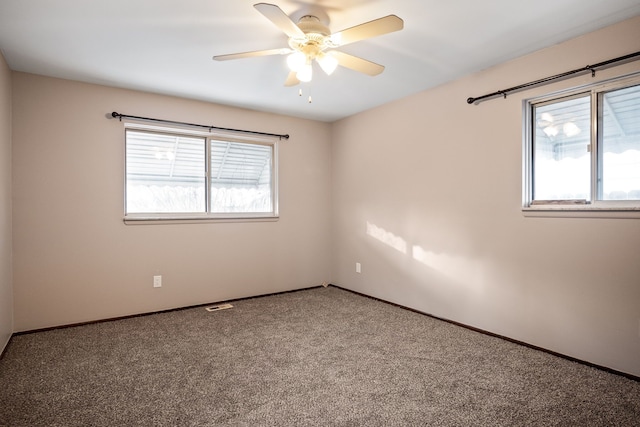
(318, 357)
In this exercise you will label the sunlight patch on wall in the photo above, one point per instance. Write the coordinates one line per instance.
(457, 268)
(386, 237)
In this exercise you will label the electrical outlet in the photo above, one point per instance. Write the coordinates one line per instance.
(358, 267)
(157, 281)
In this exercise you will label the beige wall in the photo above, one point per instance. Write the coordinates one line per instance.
(427, 197)
(6, 289)
(425, 193)
(75, 260)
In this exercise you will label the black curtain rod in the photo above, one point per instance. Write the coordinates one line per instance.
(148, 119)
(591, 68)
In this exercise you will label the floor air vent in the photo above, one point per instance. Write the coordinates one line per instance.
(218, 307)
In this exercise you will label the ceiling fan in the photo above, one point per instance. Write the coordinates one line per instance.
(311, 40)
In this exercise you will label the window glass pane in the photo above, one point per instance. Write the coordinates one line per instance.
(621, 144)
(241, 177)
(165, 173)
(561, 158)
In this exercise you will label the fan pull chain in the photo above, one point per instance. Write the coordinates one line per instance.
(309, 99)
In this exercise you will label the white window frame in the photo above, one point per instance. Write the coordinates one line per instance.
(197, 217)
(594, 207)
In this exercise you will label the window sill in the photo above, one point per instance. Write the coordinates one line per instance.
(190, 219)
(580, 211)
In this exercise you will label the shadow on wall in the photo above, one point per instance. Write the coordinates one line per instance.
(456, 268)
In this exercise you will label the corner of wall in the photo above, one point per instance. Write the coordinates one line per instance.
(6, 224)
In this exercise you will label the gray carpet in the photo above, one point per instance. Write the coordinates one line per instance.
(316, 357)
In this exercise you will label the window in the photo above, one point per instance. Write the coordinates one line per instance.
(193, 176)
(582, 148)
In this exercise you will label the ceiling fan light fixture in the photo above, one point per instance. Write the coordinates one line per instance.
(305, 73)
(327, 62)
(310, 37)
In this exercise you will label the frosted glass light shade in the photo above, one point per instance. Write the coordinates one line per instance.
(328, 63)
(296, 61)
(305, 73)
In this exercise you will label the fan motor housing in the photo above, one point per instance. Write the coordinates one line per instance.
(316, 36)
(310, 24)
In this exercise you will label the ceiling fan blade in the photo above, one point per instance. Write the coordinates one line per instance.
(374, 28)
(274, 14)
(292, 80)
(282, 51)
(357, 64)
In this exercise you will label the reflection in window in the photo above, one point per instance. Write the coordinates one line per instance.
(584, 147)
(167, 174)
(561, 158)
(621, 144)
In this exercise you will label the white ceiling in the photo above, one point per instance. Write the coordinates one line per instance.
(166, 46)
